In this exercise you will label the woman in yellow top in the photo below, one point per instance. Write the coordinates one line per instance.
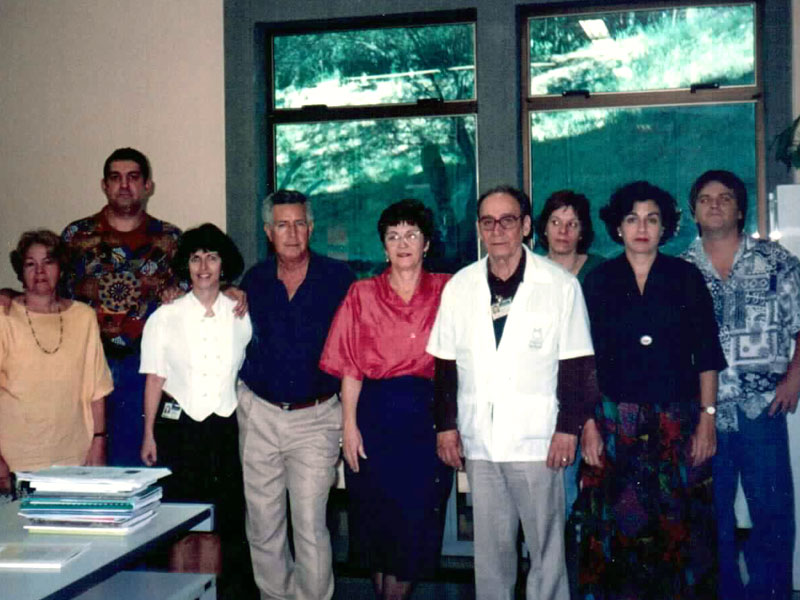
(53, 373)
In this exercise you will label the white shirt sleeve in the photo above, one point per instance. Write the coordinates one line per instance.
(442, 340)
(153, 360)
(575, 337)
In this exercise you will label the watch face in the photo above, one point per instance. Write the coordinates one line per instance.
(711, 410)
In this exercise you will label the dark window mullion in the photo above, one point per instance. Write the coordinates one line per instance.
(635, 99)
(357, 113)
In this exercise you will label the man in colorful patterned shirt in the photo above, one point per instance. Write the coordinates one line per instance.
(755, 285)
(121, 264)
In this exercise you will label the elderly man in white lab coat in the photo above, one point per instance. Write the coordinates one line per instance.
(515, 384)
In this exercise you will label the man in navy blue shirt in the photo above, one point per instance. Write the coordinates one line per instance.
(289, 414)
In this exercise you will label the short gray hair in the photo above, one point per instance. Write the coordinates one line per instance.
(284, 197)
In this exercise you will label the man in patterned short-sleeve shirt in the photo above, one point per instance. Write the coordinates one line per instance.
(120, 264)
(755, 285)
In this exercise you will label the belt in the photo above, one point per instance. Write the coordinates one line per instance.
(299, 405)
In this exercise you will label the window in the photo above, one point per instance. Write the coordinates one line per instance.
(361, 118)
(375, 66)
(635, 51)
(657, 94)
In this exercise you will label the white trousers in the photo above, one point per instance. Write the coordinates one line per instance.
(503, 494)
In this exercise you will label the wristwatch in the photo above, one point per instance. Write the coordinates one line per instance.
(709, 410)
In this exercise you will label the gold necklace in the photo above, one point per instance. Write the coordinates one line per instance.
(33, 331)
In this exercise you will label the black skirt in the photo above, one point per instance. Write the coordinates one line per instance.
(397, 500)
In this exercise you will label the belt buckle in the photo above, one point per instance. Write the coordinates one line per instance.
(285, 406)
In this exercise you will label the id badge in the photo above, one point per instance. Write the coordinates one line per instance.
(172, 410)
(501, 308)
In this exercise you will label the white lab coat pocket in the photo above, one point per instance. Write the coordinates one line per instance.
(536, 358)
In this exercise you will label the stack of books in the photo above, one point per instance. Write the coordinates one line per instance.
(90, 500)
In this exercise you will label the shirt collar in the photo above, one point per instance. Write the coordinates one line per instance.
(311, 271)
(516, 276)
(198, 308)
(703, 262)
(104, 225)
(422, 291)
(622, 271)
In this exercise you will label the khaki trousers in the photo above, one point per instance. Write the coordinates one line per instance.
(503, 494)
(294, 451)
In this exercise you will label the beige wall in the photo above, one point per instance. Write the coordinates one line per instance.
(79, 78)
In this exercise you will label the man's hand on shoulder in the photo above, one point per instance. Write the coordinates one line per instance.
(6, 296)
(5, 477)
(449, 448)
(170, 294)
(240, 297)
(562, 450)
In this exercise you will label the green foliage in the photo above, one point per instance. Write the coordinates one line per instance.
(786, 146)
(595, 151)
(644, 50)
(374, 66)
(669, 146)
(354, 169)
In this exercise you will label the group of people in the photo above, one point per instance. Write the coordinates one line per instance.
(91, 366)
(669, 377)
(696, 370)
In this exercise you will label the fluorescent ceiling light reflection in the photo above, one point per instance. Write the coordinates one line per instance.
(595, 29)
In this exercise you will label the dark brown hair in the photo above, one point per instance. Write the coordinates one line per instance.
(577, 202)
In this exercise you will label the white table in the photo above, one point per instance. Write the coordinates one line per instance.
(105, 556)
(152, 585)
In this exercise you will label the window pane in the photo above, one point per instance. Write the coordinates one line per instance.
(352, 170)
(596, 151)
(375, 66)
(643, 50)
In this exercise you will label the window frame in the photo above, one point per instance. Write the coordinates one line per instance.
(652, 98)
(274, 117)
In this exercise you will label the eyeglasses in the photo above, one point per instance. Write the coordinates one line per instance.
(506, 222)
(409, 236)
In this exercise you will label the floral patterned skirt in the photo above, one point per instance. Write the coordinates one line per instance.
(644, 520)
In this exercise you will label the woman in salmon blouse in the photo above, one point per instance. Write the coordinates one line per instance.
(396, 484)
